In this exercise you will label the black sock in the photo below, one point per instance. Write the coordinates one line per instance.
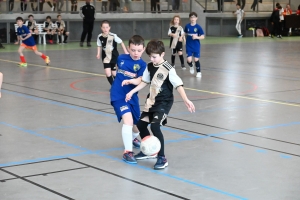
(158, 7)
(143, 128)
(197, 63)
(155, 128)
(110, 79)
(65, 38)
(173, 59)
(51, 37)
(25, 7)
(59, 38)
(75, 7)
(22, 8)
(190, 64)
(72, 8)
(181, 59)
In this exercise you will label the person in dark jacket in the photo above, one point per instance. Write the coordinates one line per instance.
(274, 19)
(87, 12)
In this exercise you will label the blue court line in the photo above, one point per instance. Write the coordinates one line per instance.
(174, 177)
(57, 157)
(60, 104)
(219, 109)
(44, 136)
(72, 126)
(87, 151)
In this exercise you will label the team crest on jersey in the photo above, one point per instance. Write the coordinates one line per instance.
(160, 76)
(122, 108)
(136, 67)
(22, 31)
(122, 63)
(195, 29)
(109, 41)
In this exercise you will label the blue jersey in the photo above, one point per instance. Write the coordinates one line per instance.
(23, 32)
(127, 69)
(193, 45)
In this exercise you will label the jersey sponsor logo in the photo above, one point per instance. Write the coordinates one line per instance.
(109, 42)
(136, 67)
(122, 63)
(126, 73)
(195, 30)
(160, 76)
(122, 108)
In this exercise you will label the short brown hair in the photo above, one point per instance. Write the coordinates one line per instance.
(155, 46)
(172, 21)
(193, 14)
(105, 22)
(136, 40)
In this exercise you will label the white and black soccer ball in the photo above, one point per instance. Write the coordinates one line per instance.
(150, 145)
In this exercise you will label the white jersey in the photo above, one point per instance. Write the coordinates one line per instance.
(281, 11)
(239, 14)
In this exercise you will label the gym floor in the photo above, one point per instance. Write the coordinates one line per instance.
(59, 137)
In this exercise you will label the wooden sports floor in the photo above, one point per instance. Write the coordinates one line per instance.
(59, 137)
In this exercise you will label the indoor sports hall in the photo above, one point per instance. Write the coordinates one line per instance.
(59, 137)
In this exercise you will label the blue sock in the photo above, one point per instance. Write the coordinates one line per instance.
(198, 66)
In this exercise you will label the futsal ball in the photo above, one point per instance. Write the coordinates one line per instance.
(150, 145)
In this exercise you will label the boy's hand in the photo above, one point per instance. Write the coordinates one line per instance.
(16, 43)
(190, 106)
(195, 37)
(126, 82)
(128, 96)
(98, 56)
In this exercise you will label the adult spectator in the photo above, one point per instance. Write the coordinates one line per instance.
(11, 4)
(287, 10)
(175, 5)
(242, 3)
(298, 11)
(155, 3)
(87, 12)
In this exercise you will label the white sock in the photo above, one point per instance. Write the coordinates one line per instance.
(135, 135)
(127, 137)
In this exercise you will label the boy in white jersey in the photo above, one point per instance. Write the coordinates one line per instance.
(239, 13)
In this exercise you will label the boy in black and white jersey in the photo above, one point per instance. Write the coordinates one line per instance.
(107, 46)
(31, 24)
(61, 30)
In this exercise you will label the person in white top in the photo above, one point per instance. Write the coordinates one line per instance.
(281, 17)
(239, 13)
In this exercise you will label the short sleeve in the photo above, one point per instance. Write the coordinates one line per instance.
(99, 41)
(117, 39)
(26, 23)
(200, 31)
(174, 78)
(45, 24)
(146, 76)
(186, 29)
(26, 29)
(169, 32)
(142, 69)
(182, 31)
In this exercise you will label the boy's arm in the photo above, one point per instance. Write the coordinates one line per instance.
(136, 89)
(187, 102)
(18, 38)
(27, 36)
(134, 81)
(99, 49)
(124, 48)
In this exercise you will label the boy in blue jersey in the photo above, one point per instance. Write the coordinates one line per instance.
(25, 36)
(129, 74)
(194, 33)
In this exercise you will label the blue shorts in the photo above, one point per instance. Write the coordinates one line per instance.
(194, 53)
(122, 107)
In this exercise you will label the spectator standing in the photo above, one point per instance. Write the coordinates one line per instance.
(87, 12)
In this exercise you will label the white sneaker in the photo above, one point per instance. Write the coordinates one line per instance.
(198, 75)
(192, 71)
(183, 68)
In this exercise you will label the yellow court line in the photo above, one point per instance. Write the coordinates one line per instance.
(186, 88)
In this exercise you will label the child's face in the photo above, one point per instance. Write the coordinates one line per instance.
(136, 51)
(238, 7)
(105, 28)
(176, 20)
(156, 58)
(59, 18)
(193, 19)
(20, 22)
(48, 20)
(30, 18)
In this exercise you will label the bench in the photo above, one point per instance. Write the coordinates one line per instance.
(41, 33)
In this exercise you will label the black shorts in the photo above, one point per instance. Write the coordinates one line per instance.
(177, 48)
(47, 30)
(73, 1)
(64, 32)
(112, 66)
(155, 117)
